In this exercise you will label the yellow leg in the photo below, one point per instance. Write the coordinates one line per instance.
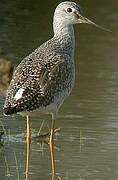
(28, 149)
(51, 145)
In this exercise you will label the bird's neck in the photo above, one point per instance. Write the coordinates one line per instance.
(65, 34)
(62, 29)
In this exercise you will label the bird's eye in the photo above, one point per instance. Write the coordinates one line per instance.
(69, 10)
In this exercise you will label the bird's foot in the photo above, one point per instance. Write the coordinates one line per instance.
(44, 138)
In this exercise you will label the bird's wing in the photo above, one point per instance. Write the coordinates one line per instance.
(35, 82)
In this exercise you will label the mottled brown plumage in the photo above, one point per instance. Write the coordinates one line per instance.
(43, 75)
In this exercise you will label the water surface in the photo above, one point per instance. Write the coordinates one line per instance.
(87, 145)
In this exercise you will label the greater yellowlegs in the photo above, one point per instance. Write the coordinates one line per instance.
(43, 79)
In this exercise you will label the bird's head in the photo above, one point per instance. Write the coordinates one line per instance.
(69, 13)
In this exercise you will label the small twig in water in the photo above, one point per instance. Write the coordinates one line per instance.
(7, 167)
(1, 134)
(80, 141)
(17, 170)
(4, 130)
(41, 127)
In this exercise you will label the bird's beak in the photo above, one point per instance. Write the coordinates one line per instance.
(83, 19)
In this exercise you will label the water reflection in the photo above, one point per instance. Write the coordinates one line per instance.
(88, 141)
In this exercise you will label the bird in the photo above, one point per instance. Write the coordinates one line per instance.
(45, 78)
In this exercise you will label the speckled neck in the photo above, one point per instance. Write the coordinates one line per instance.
(65, 34)
(61, 27)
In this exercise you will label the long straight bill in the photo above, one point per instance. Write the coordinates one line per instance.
(86, 20)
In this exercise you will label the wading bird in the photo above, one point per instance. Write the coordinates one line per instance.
(43, 79)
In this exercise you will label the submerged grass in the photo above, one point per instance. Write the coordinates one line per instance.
(8, 174)
(7, 165)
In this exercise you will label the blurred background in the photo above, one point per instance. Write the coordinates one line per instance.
(87, 145)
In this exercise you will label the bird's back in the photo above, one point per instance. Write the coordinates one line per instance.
(43, 78)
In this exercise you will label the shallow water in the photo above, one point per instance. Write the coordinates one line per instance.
(87, 145)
